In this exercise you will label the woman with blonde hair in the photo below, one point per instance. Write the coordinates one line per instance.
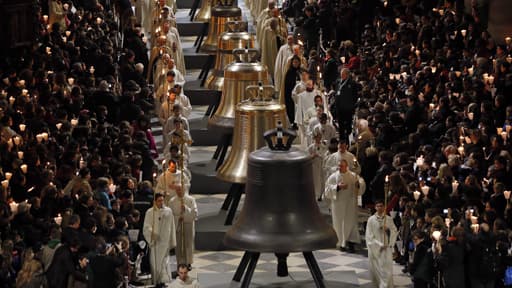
(31, 274)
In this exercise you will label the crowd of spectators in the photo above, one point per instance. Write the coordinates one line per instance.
(435, 91)
(77, 153)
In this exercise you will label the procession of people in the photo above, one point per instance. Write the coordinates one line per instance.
(404, 106)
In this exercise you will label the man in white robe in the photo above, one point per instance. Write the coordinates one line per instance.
(325, 128)
(173, 41)
(177, 137)
(318, 151)
(169, 123)
(380, 238)
(174, 97)
(285, 52)
(305, 100)
(183, 280)
(160, 233)
(184, 209)
(262, 17)
(169, 182)
(333, 160)
(269, 46)
(342, 188)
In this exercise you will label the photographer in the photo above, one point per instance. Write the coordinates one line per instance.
(104, 265)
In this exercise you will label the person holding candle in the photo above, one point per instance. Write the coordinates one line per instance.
(380, 238)
(342, 188)
(160, 233)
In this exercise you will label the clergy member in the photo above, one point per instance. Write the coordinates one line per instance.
(333, 160)
(285, 52)
(183, 280)
(318, 151)
(342, 188)
(184, 209)
(160, 233)
(270, 42)
(380, 237)
(169, 182)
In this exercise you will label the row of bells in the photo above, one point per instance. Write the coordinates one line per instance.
(280, 213)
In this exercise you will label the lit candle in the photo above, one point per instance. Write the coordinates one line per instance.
(470, 71)
(12, 100)
(98, 20)
(17, 140)
(385, 4)
(45, 136)
(431, 106)
(22, 127)
(508, 40)
(506, 193)
(49, 50)
(425, 190)
(14, 207)
(343, 59)
(20, 154)
(441, 12)
(397, 21)
(68, 33)
(9, 143)
(504, 135)
(74, 122)
(24, 92)
(475, 227)
(463, 33)
(416, 195)
(45, 19)
(58, 125)
(24, 168)
(5, 184)
(64, 39)
(8, 176)
(461, 150)
(58, 219)
(22, 82)
(499, 130)
(436, 235)
(418, 52)
(39, 138)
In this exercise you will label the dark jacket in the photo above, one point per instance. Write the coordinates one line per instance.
(422, 266)
(451, 263)
(103, 267)
(346, 96)
(62, 267)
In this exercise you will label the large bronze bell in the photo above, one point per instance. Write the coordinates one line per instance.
(235, 37)
(205, 11)
(280, 214)
(237, 77)
(222, 13)
(253, 117)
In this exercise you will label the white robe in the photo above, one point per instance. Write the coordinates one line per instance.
(147, 7)
(189, 283)
(163, 183)
(328, 131)
(318, 153)
(188, 140)
(344, 206)
(166, 108)
(305, 100)
(332, 162)
(169, 126)
(160, 233)
(269, 49)
(381, 261)
(185, 231)
(285, 51)
(179, 59)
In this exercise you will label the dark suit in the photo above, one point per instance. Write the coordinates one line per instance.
(345, 101)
